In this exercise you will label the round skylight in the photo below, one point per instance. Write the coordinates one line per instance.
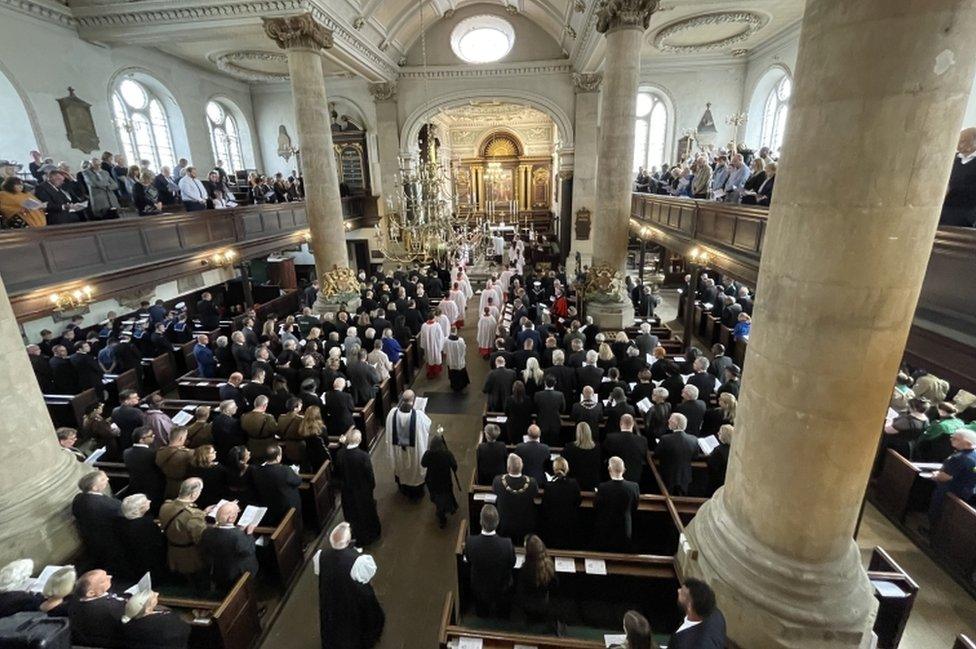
(482, 39)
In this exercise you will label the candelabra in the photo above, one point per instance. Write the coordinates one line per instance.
(736, 120)
(71, 300)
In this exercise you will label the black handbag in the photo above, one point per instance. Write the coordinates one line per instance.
(34, 630)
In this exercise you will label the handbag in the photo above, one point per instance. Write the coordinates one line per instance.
(33, 630)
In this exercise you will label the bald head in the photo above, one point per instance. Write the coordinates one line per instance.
(341, 536)
(227, 514)
(967, 141)
(534, 432)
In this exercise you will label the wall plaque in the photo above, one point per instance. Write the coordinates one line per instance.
(78, 123)
(583, 224)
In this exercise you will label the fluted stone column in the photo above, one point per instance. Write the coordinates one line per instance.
(866, 159)
(37, 478)
(584, 170)
(623, 22)
(304, 39)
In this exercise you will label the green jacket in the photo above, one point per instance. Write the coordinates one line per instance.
(941, 427)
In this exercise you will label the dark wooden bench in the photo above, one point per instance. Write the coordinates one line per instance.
(954, 539)
(232, 623)
(899, 488)
(893, 608)
(69, 409)
(159, 373)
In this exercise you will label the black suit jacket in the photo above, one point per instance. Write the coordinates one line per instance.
(549, 406)
(227, 434)
(492, 559)
(590, 375)
(705, 383)
(57, 204)
(675, 452)
(614, 507)
(41, 365)
(277, 489)
(158, 631)
(230, 552)
(534, 457)
(235, 394)
(629, 447)
(516, 506)
(695, 412)
(565, 379)
(338, 410)
(144, 475)
(363, 378)
(97, 622)
(206, 311)
(491, 461)
(560, 513)
(593, 415)
(614, 413)
(498, 386)
(97, 518)
(707, 634)
(127, 419)
(65, 376)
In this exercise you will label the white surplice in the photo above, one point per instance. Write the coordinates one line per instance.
(432, 339)
(406, 461)
(454, 354)
(487, 325)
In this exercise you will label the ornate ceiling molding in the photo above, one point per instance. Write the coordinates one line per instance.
(383, 91)
(46, 10)
(112, 21)
(301, 32)
(751, 22)
(467, 71)
(231, 63)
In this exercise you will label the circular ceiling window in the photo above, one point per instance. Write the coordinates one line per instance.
(482, 39)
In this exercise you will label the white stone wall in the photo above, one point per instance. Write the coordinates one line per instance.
(42, 60)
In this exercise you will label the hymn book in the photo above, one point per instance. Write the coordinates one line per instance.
(182, 418)
(142, 585)
(708, 444)
(41, 580)
(94, 457)
(644, 405)
(252, 516)
(565, 564)
(611, 639)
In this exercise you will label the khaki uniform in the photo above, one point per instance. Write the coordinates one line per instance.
(183, 523)
(288, 425)
(174, 462)
(198, 434)
(261, 429)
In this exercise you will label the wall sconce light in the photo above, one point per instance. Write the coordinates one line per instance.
(71, 300)
(347, 225)
(222, 258)
(699, 256)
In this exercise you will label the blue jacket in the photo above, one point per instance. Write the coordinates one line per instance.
(206, 363)
(392, 349)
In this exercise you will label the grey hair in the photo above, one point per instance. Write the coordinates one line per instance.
(61, 582)
(190, 487)
(15, 574)
(660, 393)
(690, 390)
(132, 506)
(492, 432)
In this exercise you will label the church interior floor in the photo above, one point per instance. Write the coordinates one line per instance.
(416, 558)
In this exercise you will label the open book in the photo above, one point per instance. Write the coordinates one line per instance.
(708, 444)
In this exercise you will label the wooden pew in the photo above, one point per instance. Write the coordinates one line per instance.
(451, 632)
(899, 488)
(712, 325)
(233, 622)
(286, 546)
(654, 529)
(893, 608)
(69, 410)
(640, 582)
(114, 384)
(159, 373)
(954, 539)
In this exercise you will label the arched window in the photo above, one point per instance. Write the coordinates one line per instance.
(775, 111)
(142, 124)
(651, 132)
(224, 136)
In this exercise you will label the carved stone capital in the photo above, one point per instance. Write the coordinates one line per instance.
(298, 32)
(624, 14)
(587, 81)
(383, 91)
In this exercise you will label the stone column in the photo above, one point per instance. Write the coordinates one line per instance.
(304, 39)
(842, 266)
(37, 478)
(387, 137)
(584, 167)
(623, 22)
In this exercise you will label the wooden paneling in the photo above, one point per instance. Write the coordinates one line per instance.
(149, 250)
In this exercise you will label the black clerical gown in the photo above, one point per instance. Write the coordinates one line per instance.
(349, 613)
(516, 506)
(277, 489)
(97, 516)
(355, 471)
(614, 507)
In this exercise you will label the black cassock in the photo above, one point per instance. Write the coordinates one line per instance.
(349, 613)
(358, 505)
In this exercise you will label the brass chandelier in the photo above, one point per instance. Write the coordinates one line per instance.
(420, 224)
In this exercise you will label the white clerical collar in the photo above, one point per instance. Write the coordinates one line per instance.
(142, 445)
(620, 477)
(226, 526)
(352, 445)
(515, 475)
(966, 159)
(687, 624)
(484, 533)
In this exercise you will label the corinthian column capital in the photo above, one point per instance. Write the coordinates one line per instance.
(298, 32)
(624, 14)
(383, 90)
(587, 81)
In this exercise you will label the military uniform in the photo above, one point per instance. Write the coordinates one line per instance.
(174, 462)
(183, 524)
(261, 429)
(198, 434)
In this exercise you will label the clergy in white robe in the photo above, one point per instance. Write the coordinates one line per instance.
(457, 296)
(449, 308)
(504, 279)
(455, 357)
(443, 322)
(487, 329)
(408, 431)
(431, 338)
(462, 279)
